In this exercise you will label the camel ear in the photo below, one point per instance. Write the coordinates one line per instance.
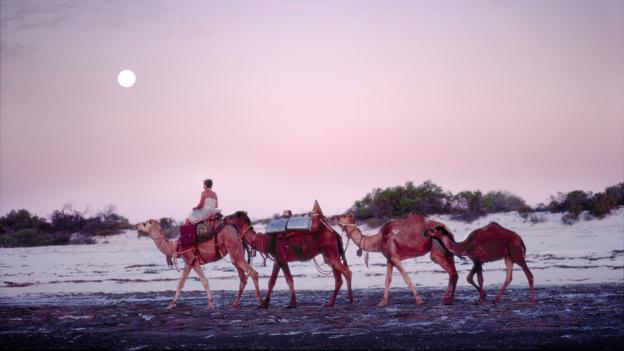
(442, 230)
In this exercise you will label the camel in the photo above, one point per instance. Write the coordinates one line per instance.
(399, 240)
(489, 243)
(224, 242)
(297, 246)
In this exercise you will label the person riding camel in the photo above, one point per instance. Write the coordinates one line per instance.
(207, 206)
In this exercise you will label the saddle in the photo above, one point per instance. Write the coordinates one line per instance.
(193, 234)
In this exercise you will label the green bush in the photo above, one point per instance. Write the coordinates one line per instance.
(33, 237)
(22, 219)
(503, 201)
(428, 198)
(20, 228)
(575, 202)
(397, 201)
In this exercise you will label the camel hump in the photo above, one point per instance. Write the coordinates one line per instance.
(495, 225)
(416, 216)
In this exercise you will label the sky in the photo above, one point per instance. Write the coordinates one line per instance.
(282, 103)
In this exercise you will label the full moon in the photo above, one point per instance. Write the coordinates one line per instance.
(126, 78)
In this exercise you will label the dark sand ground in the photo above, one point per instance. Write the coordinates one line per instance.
(564, 317)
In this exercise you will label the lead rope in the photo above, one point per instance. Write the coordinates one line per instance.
(242, 237)
(359, 253)
(174, 257)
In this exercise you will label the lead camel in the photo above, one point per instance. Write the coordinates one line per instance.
(224, 242)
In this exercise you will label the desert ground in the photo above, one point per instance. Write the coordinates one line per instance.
(578, 316)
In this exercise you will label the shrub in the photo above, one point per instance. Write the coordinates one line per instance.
(503, 201)
(535, 218)
(33, 237)
(468, 206)
(467, 216)
(569, 218)
(20, 228)
(598, 205)
(616, 193)
(67, 220)
(602, 204)
(22, 219)
(397, 201)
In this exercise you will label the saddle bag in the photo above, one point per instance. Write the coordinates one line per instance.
(299, 224)
(188, 235)
(207, 229)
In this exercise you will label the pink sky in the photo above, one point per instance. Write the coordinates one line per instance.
(282, 103)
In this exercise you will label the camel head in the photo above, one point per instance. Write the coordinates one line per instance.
(145, 228)
(344, 220)
(239, 219)
(438, 232)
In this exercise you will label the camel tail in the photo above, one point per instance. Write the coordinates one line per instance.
(341, 249)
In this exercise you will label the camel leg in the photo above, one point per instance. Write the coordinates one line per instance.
(337, 264)
(470, 278)
(291, 286)
(254, 277)
(238, 260)
(529, 276)
(241, 286)
(480, 280)
(337, 285)
(202, 277)
(185, 274)
(509, 266)
(384, 299)
(272, 279)
(397, 263)
(517, 255)
(448, 264)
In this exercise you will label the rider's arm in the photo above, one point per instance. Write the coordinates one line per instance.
(201, 202)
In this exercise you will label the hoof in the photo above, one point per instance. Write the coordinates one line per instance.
(448, 302)
(171, 306)
(382, 303)
(264, 305)
(420, 302)
(235, 305)
(329, 304)
(292, 305)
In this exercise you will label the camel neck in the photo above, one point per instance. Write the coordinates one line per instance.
(163, 244)
(366, 243)
(255, 240)
(458, 249)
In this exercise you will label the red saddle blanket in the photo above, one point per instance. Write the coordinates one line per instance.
(192, 234)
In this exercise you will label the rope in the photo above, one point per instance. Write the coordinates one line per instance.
(319, 269)
(343, 226)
